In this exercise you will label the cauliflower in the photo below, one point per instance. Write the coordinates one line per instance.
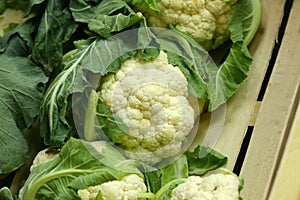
(42, 157)
(128, 188)
(220, 186)
(152, 100)
(205, 20)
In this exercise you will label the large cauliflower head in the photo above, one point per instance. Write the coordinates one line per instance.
(205, 20)
(152, 100)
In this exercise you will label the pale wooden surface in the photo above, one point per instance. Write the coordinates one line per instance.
(275, 115)
(287, 181)
(240, 108)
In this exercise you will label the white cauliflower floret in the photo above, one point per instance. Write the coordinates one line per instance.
(220, 186)
(205, 20)
(42, 157)
(128, 188)
(152, 100)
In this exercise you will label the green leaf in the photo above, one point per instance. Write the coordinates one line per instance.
(176, 170)
(246, 16)
(85, 10)
(232, 72)
(5, 194)
(78, 165)
(3, 7)
(54, 126)
(106, 25)
(97, 178)
(17, 4)
(207, 81)
(19, 40)
(165, 192)
(204, 159)
(19, 100)
(82, 10)
(57, 26)
(109, 7)
(191, 59)
(33, 5)
(152, 180)
(99, 122)
(145, 5)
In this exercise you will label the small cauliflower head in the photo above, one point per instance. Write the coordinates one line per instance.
(128, 188)
(151, 97)
(205, 20)
(42, 157)
(218, 186)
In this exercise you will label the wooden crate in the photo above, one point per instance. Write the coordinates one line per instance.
(260, 115)
(276, 115)
(255, 130)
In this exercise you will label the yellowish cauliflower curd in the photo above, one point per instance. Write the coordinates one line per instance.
(205, 20)
(151, 99)
(213, 187)
(128, 188)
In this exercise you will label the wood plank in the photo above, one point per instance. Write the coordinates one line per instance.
(276, 113)
(239, 109)
(288, 175)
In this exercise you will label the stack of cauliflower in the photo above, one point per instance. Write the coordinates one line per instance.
(152, 100)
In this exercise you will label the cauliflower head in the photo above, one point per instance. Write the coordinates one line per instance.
(128, 188)
(220, 186)
(152, 100)
(43, 156)
(205, 20)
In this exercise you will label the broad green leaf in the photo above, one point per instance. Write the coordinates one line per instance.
(56, 27)
(145, 5)
(54, 126)
(152, 180)
(80, 164)
(246, 16)
(108, 7)
(97, 178)
(82, 10)
(32, 6)
(176, 170)
(204, 159)
(19, 102)
(106, 25)
(86, 10)
(19, 40)
(230, 74)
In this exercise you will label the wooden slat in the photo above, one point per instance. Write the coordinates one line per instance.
(276, 112)
(288, 174)
(240, 107)
(255, 113)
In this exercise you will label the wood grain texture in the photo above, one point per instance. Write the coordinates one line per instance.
(287, 181)
(276, 114)
(241, 106)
